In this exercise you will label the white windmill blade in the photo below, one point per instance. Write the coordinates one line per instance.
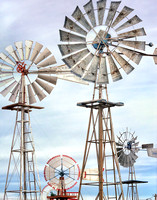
(121, 158)
(5, 66)
(124, 13)
(133, 33)
(43, 55)
(69, 37)
(133, 155)
(74, 59)
(134, 138)
(71, 48)
(19, 46)
(49, 173)
(5, 81)
(90, 74)
(14, 93)
(31, 95)
(5, 74)
(48, 88)
(48, 78)
(113, 69)
(103, 75)
(101, 5)
(134, 20)
(47, 62)
(119, 144)
(81, 67)
(126, 161)
(72, 78)
(134, 44)
(64, 73)
(123, 63)
(12, 52)
(28, 48)
(119, 149)
(120, 140)
(36, 51)
(112, 11)
(90, 12)
(79, 17)
(72, 26)
(5, 58)
(8, 89)
(132, 161)
(135, 144)
(40, 94)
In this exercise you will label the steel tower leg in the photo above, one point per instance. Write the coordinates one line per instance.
(22, 179)
(132, 191)
(110, 184)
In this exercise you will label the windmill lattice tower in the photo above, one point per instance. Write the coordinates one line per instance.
(95, 45)
(26, 72)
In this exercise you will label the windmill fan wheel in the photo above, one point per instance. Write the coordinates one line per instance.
(62, 172)
(127, 148)
(101, 41)
(24, 68)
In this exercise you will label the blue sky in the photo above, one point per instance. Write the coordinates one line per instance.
(61, 127)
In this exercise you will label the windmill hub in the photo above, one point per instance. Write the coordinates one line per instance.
(129, 145)
(61, 173)
(103, 43)
(100, 42)
(21, 68)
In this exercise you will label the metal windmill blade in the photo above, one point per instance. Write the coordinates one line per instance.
(35, 65)
(104, 40)
(127, 148)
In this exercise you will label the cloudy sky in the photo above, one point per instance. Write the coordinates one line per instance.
(61, 127)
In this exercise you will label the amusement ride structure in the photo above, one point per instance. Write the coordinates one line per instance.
(96, 46)
(26, 72)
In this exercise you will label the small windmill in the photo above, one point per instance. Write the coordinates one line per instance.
(62, 174)
(96, 46)
(26, 72)
(127, 149)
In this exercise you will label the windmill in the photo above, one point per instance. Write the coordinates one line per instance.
(127, 149)
(99, 43)
(26, 72)
(62, 174)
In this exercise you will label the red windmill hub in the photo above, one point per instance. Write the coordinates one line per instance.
(21, 68)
